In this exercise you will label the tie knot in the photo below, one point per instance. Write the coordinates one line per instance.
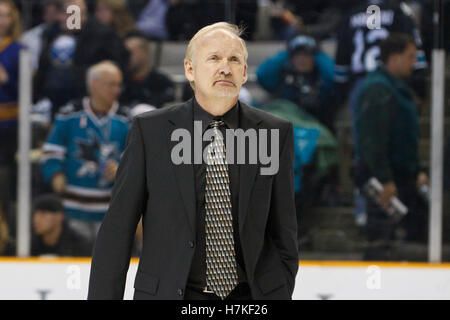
(216, 123)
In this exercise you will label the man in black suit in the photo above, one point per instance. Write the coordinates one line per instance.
(257, 244)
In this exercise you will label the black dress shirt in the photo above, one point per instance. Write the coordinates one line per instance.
(197, 275)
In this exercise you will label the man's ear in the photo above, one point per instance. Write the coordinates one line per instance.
(244, 80)
(188, 70)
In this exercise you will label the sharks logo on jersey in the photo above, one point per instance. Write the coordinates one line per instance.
(93, 155)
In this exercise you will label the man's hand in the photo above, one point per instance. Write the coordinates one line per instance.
(288, 17)
(422, 179)
(389, 191)
(59, 182)
(111, 170)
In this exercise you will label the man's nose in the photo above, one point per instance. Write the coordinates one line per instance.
(224, 67)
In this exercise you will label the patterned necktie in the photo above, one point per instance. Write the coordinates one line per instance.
(221, 270)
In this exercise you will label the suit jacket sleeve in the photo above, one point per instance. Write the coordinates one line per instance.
(114, 242)
(283, 218)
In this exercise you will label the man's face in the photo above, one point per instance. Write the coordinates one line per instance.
(103, 14)
(5, 19)
(404, 61)
(52, 14)
(108, 86)
(138, 56)
(45, 221)
(218, 67)
(303, 62)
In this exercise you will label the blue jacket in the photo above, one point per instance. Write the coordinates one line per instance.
(9, 59)
(273, 72)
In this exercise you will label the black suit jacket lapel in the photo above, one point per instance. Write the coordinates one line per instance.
(247, 171)
(181, 117)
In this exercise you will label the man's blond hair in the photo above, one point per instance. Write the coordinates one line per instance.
(232, 28)
(98, 70)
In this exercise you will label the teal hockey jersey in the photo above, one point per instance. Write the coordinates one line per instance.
(79, 145)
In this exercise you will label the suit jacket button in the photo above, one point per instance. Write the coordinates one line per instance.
(191, 244)
(180, 292)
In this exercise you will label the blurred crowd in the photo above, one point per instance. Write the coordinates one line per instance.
(89, 82)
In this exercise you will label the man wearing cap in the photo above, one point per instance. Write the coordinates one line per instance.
(302, 74)
(51, 234)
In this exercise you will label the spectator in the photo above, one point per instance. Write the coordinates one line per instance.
(6, 243)
(84, 147)
(317, 19)
(67, 54)
(358, 53)
(115, 13)
(30, 13)
(9, 68)
(303, 75)
(145, 85)
(32, 39)
(182, 26)
(243, 12)
(152, 20)
(387, 145)
(51, 234)
(358, 46)
(136, 7)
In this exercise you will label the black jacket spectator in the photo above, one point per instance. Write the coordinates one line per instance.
(51, 233)
(145, 85)
(70, 244)
(156, 89)
(94, 43)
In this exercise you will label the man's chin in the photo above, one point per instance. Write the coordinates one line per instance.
(226, 92)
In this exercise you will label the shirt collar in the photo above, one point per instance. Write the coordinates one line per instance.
(398, 83)
(231, 117)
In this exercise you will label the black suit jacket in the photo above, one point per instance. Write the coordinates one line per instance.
(148, 183)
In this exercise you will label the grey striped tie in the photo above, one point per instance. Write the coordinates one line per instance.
(221, 270)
